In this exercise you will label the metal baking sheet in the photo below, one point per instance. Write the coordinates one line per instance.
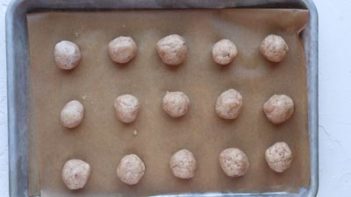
(18, 78)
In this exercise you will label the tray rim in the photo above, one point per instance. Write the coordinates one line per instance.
(17, 54)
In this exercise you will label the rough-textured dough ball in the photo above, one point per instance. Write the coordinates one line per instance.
(224, 52)
(127, 108)
(130, 169)
(183, 164)
(279, 157)
(274, 48)
(67, 55)
(122, 49)
(75, 174)
(229, 104)
(72, 114)
(175, 104)
(279, 108)
(172, 49)
(234, 162)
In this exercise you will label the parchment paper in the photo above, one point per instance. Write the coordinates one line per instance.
(101, 140)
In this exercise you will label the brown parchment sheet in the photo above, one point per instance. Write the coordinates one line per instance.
(101, 140)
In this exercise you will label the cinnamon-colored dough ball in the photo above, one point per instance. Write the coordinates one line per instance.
(279, 157)
(274, 48)
(172, 49)
(75, 174)
(176, 104)
(234, 162)
(122, 49)
(131, 169)
(67, 55)
(229, 104)
(183, 164)
(224, 52)
(279, 108)
(72, 114)
(127, 108)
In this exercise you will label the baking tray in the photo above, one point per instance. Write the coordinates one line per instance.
(17, 63)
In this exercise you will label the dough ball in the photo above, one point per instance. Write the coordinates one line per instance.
(130, 169)
(229, 104)
(72, 114)
(127, 108)
(75, 174)
(274, 48)
(175, 104)
(224, 52)
(122, 49)
(279, 157)
(234, 162)
(279, 108)
(67, 55)
(172, 49)
(183, 164)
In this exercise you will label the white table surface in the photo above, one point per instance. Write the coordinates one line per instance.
(334, 99)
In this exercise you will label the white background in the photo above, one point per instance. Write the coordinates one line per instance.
(334, 99)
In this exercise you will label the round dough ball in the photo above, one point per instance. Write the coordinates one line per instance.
(234, 162)
(279, 157)
(274, 48)
(175, 104)
(122, 49)
(183, 164)
(279, 108)
(229, 104)
(130, 169)
(72, 114)
(172, 49)
(224, 52)
(127, 108)
(75, 174)
(67, 55)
